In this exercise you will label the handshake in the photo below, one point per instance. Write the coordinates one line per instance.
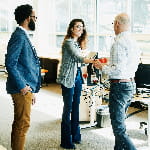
(97, 63)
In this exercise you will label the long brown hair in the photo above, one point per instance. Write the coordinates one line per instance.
(82, 40)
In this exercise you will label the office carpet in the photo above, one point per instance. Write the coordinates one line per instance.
(44, 133)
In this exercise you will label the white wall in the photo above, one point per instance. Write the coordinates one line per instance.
(45, 32)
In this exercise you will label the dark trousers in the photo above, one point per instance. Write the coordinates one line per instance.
(70, 129)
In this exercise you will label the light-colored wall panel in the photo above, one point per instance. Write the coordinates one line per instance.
(4, 38)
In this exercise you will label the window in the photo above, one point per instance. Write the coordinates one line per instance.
(7, 23)
(140, 16)
(98, 19)
(106, 11)
(98, 15)
(4, 16)
(62, 15)
(74, 9)
(141, 26)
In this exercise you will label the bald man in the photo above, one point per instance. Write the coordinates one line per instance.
(124, 60)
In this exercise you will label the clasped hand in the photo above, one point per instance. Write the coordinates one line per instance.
(27, 89)
(97, 64)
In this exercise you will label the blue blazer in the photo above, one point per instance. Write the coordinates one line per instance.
(22, 64)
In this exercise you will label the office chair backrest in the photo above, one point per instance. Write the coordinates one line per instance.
(142, 76)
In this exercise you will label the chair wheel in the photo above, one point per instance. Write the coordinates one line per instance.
(145, 131)
(142, 124)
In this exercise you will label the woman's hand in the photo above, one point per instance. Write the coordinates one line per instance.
(88, 60)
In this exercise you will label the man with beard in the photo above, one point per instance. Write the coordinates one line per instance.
(24, 77)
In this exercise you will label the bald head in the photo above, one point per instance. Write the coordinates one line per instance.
(123, 18)
(122, 22)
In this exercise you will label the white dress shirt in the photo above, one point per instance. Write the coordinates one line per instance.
(24, 30)
(28, 34)
(124, 57)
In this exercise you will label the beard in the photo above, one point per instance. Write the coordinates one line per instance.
(31, 25)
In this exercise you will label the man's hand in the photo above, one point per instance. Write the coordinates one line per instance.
(33, 99)
(25, 90)
(97, 64)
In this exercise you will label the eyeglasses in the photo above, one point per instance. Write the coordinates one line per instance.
(113, 22)
(79, 27)
(34, 17)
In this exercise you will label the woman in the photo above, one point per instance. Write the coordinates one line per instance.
(70, 78)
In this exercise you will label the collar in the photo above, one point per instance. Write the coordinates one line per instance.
(121, 34)
(26, 31)
(23, 29)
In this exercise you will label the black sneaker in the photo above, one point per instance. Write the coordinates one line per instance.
(77, 142)
(70, 146)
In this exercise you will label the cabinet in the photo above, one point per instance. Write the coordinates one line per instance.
(50, 65)
(91, 98)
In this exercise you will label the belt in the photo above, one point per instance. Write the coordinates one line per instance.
(121, 80)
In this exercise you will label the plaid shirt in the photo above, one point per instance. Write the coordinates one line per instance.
(124, 57)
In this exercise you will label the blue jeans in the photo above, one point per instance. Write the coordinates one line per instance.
(70, 129)
(119, 99)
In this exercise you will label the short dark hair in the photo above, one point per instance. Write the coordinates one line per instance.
(22, 12)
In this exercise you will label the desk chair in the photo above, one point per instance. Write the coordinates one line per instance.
(142, 80)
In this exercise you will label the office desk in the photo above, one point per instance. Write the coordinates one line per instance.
(91, 98)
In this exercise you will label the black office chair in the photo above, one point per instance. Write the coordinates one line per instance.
(142, 77)
(142, 80)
